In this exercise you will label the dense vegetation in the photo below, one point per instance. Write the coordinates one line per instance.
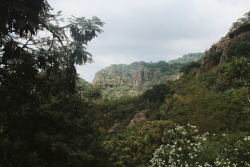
(43, 120)
(188, 58)
(215, 102)
(50, 117)
(122, 80)
(240, 26)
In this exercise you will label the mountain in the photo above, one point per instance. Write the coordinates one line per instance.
(235, 43)
(188, 58)
(130, 80)
(212, 98)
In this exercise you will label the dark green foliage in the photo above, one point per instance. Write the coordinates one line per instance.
(118, 110)
(43, 119)
(21, 17)
(157, 93)
(136, 146)
(239, 49)
(238, 68)
(164, 67)
(243, 28)
(214, 57)
(186, 69)
(56, 133)
(86, 90)
(240, 26)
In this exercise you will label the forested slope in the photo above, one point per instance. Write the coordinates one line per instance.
(49, 117)
(130, 80)
(213, 98)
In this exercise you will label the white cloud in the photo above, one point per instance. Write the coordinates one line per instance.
(152, 30)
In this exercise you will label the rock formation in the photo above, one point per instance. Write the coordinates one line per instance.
(114, 128)
(137, 119)
(220, 49)
(140, 78)
(130, 80)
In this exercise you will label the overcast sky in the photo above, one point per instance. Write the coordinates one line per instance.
(152, 30)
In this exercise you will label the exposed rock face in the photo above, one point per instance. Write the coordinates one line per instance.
(170, 78)
(114, 128)
(140, 78)
(137, 119)
(130, 80)
(221, 48)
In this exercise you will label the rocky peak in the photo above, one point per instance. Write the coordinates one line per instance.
(129, 80)
(218, 53)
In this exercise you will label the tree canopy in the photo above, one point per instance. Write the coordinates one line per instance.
(43, 120)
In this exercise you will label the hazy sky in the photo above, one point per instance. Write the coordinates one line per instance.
(152, 30)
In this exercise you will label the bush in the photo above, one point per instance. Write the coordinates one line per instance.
(186, 69)
(239, 49)
(184, 147)
(157, 93)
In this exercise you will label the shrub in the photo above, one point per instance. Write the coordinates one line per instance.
(186, 69)
(157, 93)
(184, 147)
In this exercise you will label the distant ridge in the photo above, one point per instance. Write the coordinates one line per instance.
(129, 80)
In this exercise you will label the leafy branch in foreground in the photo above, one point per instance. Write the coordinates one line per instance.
(43, 121)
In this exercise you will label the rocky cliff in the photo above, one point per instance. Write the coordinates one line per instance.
(218, 53)
(128, 80)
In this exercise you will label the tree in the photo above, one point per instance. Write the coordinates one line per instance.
(238, 66)
(157, 93)
(43, 121)
(187, 68)
(21, 17)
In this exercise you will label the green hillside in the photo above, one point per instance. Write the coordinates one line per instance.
(130, 80)
(213, 98)
(137, 115)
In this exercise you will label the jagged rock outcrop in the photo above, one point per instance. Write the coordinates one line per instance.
(140, 78)
(130, 80)
(114, 128)
(137, 119)
(218, 53)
